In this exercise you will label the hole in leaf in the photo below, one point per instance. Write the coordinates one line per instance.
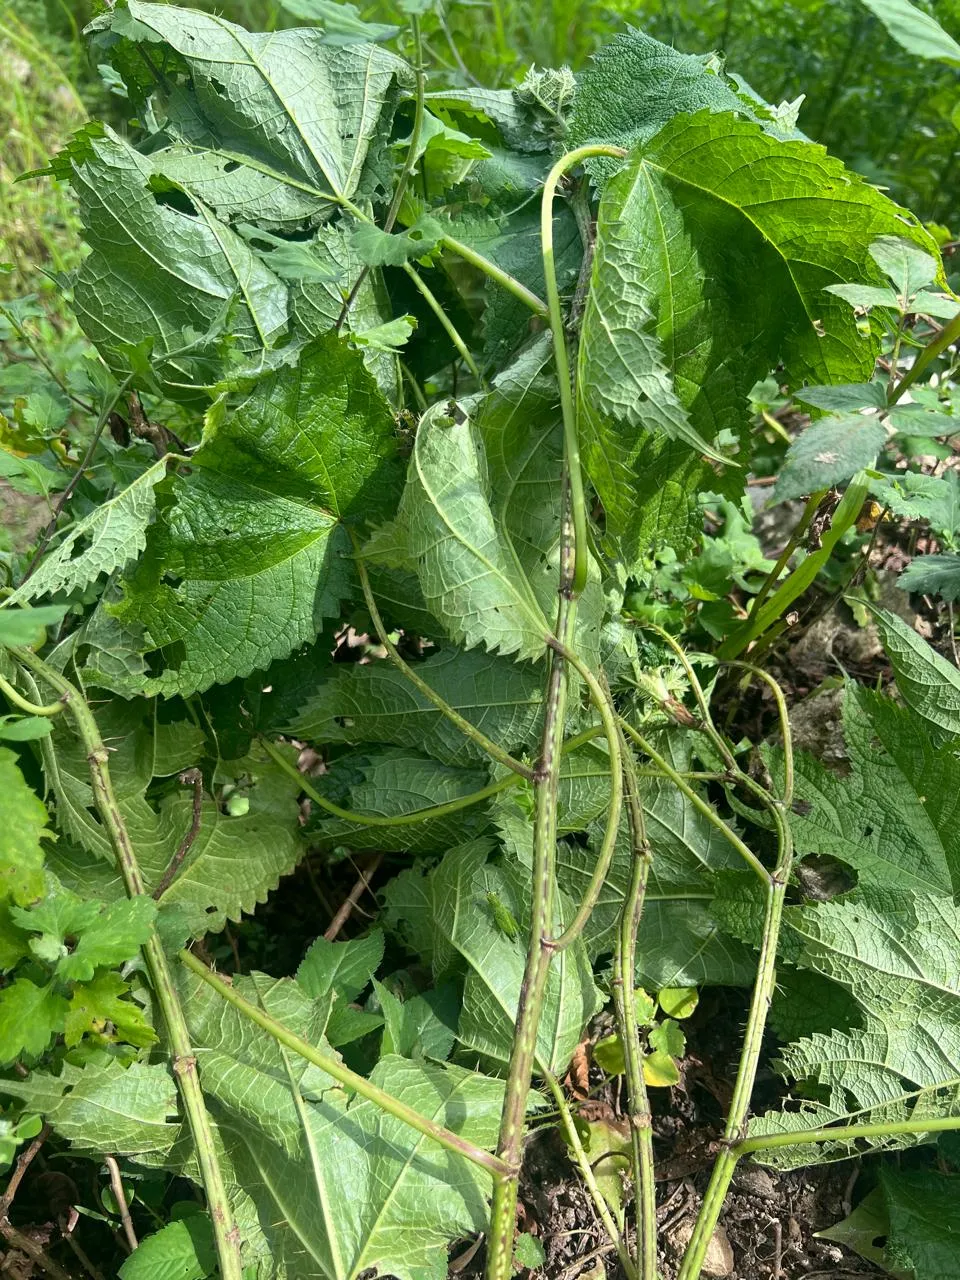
(218, 87)
(170, 197)
(231, 166)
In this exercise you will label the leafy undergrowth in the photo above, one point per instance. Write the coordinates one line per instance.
(393, 765)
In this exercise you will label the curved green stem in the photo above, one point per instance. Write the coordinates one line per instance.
(502, 278)
(845, 1133)
(466, 728)
(603, 703)
(590, 1181)
(668, 771)
(24, 704)
(625, 967)
(350, 1079)
(449, 327)
(567, 407)
(785, 731)
(184, 1062)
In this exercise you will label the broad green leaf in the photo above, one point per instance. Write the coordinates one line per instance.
(865, 296)
(394, 781)
(28, 626)
(30, 1016)
(284, 110)
(413, 1027)
(341, 1186)
(907, 266)
(23, 821)
(916, 31)
(104, 1106)
(95, 1004)
(917, 496)
(231, 864)
(98, 934)
(707, 202)
(449, 906)
(246, 557)
(893, 951)
(937, 575)
(112, 535)
(343, 967)
(377, 703)
(924, 1230)
(182, 1250)
(377, 248)
(848, 399)
(470, 574)
(158, 272)
(341, 23)
(893, 817)
(929, 684)
(829, 452)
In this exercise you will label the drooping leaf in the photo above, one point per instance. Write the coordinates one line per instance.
(916, 31)
(469, 572)
(341, 23)
(343, 967)
(23, 821)
(246, 557)
(697, 209)
(930, 685)
(893, 818)
(377, 703)
(924, 1230)
(109, 538)
(829, 452)
(28, 626)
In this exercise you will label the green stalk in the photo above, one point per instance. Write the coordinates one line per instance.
(844, 1133)
(949, 334)
(668, 771)
(466, 728)
(567, 407)
(783, 559)
(726, 1162)
(31, 708)
(184, 1062)
(625, 968)
(503, 278)
(447, 324)
(590, 1182)
(343, 1075)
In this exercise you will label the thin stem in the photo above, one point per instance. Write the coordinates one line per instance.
(706, 720)
(503, 278)
(466, 728)
(698, 802)
(773, 577)
(448, 326)
(785, 731)
(567, 406)
(194, 778)
(586, 1172)
(844, 1133)
(184, 1062)
(116, 1186)
(601, 698)
(24, 704)
(379, 820)
(726, 1162)
(343, 1075)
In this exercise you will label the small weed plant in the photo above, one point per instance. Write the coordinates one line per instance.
(449, 377)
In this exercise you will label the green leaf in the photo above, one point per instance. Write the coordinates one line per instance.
(23, 821)
(99, 935)
(112, 535)
(865, 296)
(182, 1250)
(415, 1027)
(28, 626)
(924, 1232)
(936, 575)
(95, 1004)
(528, 1252)
(706, 202)
(343, 967)
(30, 1016)
(449, 904)
(104, 1106)
(341, 23)
(377, 248)
(892, 817)
(917, 496)
(929, 684)
(164, 270)
(907, 266)
(340, 1185)
(246, 558)
(24, 728)
(283, 110)
(849, 399)
(893, 951)
(468, 570)
(917, 32)
(377, 703)
(678, 1002)
(828, 453)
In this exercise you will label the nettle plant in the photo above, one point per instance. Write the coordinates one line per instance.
(443, 366)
